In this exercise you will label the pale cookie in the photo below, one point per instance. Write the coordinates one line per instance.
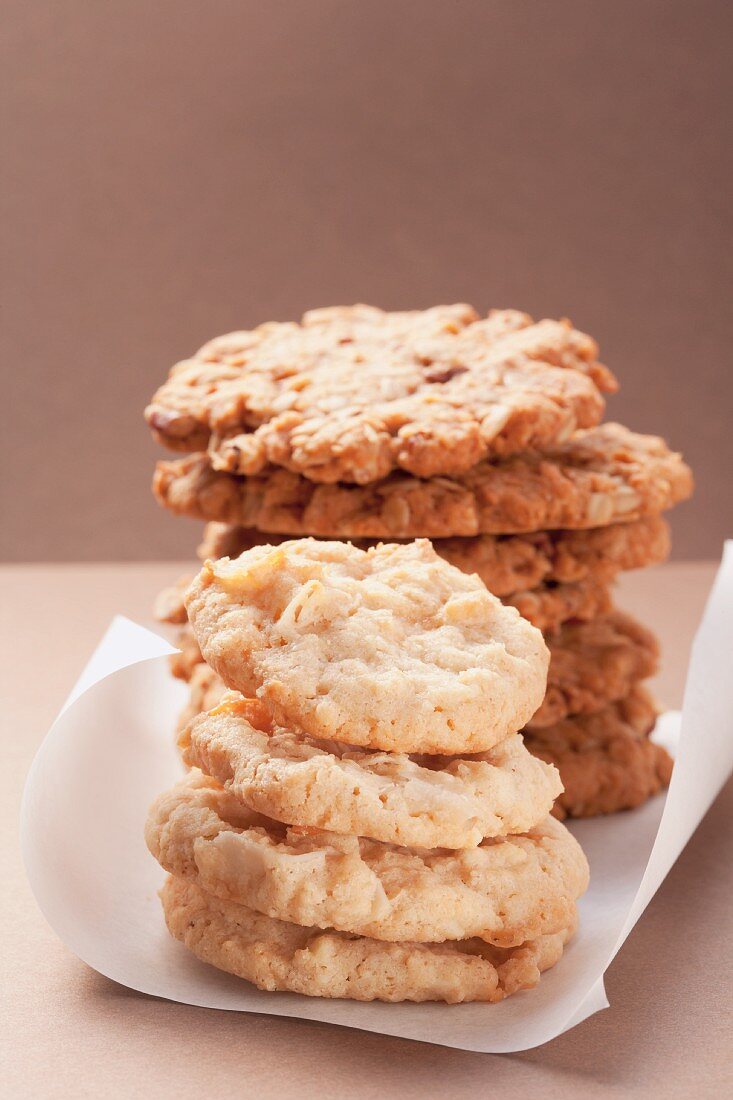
(505, 891)
(595, 663)
(546, 607)
(510, 563)
(606, 760)
(278, 955)
(415, 801)
(388, 648)
(353, 393)
(599, 477)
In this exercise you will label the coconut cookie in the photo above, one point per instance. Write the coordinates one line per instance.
(603, 476)
(510, 563)
(278, 955)
(505, 891)
(390, 648)
(606, 760)
(419, 801)
(595, 663)
(353, 393)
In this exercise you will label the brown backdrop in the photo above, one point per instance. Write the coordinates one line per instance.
(174, 170)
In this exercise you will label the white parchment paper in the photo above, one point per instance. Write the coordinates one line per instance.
(110, 752)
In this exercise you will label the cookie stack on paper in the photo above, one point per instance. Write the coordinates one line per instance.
(482, 434)
(361, 818)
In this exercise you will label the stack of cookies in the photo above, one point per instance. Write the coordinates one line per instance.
(483, 434)
(361, 818)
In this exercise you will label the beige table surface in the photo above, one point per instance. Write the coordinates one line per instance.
(66, 1031)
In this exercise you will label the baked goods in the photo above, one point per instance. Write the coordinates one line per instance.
(506, 890)
(606, 760)
(419, 800)
(362, 818)
(599, 477)
(275, 955)
(294, 897)
(507, 563)
(388, 648)
(352, 393)
(595, 663)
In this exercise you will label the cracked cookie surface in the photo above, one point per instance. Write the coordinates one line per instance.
(390, 648)
(354, 392)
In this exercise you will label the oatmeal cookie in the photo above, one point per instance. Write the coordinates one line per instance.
(508, 563)
(594, 663)
(353, 393)
(606, 760)
(607, 475)
(388, 648)
(411, 800)
(274, 954)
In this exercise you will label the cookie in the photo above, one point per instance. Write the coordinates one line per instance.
(354, 393)
(594, 663)
(550, 605)
(603, 476)
(546, 606)
(388, 648)
(278, 955)
(415, 801)
(509, 563)
(505, 891)
(606, 760)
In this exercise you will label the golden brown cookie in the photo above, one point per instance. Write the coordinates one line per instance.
(274, 954)
(505, 891)
(353, 393)
(606, 760)
(603, 476)
(509, 563)
(415, 800)
(389, 648)
(594, 663)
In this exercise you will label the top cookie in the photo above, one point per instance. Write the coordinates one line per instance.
(353, 392)
(390, 648)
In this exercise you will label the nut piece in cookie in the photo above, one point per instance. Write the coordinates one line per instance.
(390, 648)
